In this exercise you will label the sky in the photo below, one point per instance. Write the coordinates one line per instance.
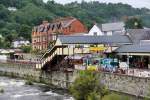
(134, 3)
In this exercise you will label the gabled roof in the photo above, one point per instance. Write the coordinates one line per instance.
(67, 22)
(64, 21)
(138, 34)
(136, 48)
(117, 26)
(55, 25)
(80, 39)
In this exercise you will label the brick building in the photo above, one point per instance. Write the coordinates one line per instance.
(47, 32)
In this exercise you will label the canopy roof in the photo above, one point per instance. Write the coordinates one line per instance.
(80, 39)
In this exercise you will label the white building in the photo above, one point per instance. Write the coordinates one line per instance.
(107, 29)
(12, 8)
(20, 42)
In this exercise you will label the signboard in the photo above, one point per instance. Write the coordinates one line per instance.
(109, 64)
(98, 48)
(92, 68)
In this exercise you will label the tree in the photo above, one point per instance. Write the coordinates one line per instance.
(25, 31)
(1, 42)
(30, 13)
(88, 86)
(134, 23)
(26, 49)
(4, 13)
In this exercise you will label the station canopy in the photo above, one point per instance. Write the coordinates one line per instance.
(135, 49)
(82, 39)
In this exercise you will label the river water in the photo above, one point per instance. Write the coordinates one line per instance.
(15, 89)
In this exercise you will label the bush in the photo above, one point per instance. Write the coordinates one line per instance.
(87, 86)
(1, 90)
(94, 96)
(114, 96)
(29, 82)
(26, 49)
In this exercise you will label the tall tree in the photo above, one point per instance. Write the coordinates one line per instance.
(134, 23)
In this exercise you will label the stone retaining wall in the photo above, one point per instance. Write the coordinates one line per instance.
(128, 84)
(28, 71)
(122, 83)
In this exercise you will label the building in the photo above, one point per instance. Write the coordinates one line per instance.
(107, 29)
(46, 33)
(72, 47)
(20, 42)
(127, 54)
(136, 55)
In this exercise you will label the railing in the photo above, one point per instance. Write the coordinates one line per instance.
(49, 55)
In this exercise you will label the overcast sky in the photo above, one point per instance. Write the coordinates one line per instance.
(134, 3)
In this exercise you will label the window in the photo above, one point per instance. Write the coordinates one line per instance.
(95, 33)
(44, 38)
(48, 27)
(34, 40)
(105, 33)
(59, 26)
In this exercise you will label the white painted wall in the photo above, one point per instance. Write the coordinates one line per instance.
(95, 29)
(17, 44)
(3, 57)
(109, 33)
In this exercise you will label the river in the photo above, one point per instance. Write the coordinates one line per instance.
(16, 89)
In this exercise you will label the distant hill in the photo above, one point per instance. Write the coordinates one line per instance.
(22, 15)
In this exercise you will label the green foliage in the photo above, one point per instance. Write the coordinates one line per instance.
(134, 23)
(29, 82)
(87, 86)
(1, 90)
(4, 13)
(26, 49)
(113, 96)
(93, 96)
(30, 13)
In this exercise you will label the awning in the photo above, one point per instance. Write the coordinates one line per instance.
(136, 49)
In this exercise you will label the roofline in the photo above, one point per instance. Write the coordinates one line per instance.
(101, 43)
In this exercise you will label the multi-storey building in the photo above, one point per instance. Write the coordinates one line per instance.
(47, 32)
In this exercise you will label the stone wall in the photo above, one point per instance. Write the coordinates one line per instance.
(135, 86)
(28, 71)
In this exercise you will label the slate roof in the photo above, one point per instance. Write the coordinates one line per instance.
(138, 34)
(117, 26)
(137, 48)
(66, 23)
(80, 39)
(62, 23)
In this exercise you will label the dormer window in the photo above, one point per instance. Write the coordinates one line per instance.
(53, 27)
(48, 27)
(59, 26)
